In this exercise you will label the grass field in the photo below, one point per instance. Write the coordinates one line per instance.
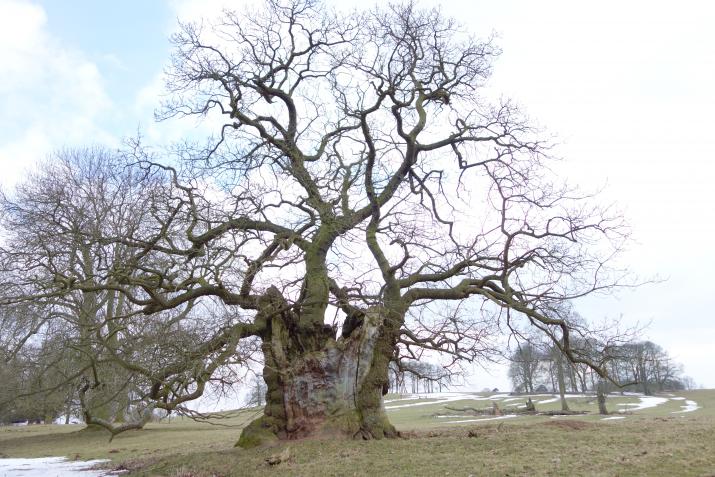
(656, 440)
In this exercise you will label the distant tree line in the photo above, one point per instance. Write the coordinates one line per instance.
(418, 376)
(641, 366)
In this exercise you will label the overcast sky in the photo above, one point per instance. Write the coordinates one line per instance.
(628, 88)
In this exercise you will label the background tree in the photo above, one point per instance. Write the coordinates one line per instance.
(646, 367)
(359, 176)
(632, 366)
(256, 392)
(32, 389)
(418, 376)
(524, 369)
(62, 264)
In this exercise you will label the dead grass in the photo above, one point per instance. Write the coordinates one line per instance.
(659, 443)
(643, 447)
(568, 425)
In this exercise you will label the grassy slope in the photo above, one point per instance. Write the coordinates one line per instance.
(649, 442)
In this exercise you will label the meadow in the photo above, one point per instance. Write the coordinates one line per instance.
(668, 434)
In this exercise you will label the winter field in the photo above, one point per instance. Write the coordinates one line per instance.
(444, 434)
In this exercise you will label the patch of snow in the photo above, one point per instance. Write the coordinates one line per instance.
(437, 398)
(446, 394)
(613, 418)
(566, 395)
(73, 420)
(508, 416)
(552, 398)
(51, 466)
(546, 401)
(645, 402)
(406, 397)
(441, 398)
(690, 406)
(450, 416)
(527, 396)
(677, 399)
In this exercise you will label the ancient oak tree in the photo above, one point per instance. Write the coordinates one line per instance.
(360, 175)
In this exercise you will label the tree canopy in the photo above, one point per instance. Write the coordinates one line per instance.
(365, 196)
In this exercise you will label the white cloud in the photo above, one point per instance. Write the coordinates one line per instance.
(148, 98)
(50, 95)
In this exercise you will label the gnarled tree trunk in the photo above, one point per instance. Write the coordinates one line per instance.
(328, 387)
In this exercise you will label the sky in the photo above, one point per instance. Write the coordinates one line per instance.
(626, 89)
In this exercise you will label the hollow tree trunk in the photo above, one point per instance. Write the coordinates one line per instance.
(334, 388)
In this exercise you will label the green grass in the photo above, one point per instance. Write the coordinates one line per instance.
(649, 442)
(675, 447)
(179, 436)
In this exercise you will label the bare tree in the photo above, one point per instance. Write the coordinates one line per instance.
(63, 261)
(257, 392)
(358, 177)
(524, 368)
(645, 366)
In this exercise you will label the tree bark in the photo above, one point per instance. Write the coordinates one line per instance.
(644, 376)
(561, 381)
(601, 396)
(335, 390)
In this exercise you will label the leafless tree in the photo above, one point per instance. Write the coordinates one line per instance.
(524, 368)
(62, 262)
(360, 175)
(647, 367)
(257, 392)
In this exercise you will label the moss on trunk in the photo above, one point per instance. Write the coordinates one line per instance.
(333, 391)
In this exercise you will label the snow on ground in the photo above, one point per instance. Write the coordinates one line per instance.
(546, 401)
(480, 419)
(404, 397)
(498, 397)
(645, 402)
(50, 466)
(440, 398)
(552, 398)
(689, 406)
